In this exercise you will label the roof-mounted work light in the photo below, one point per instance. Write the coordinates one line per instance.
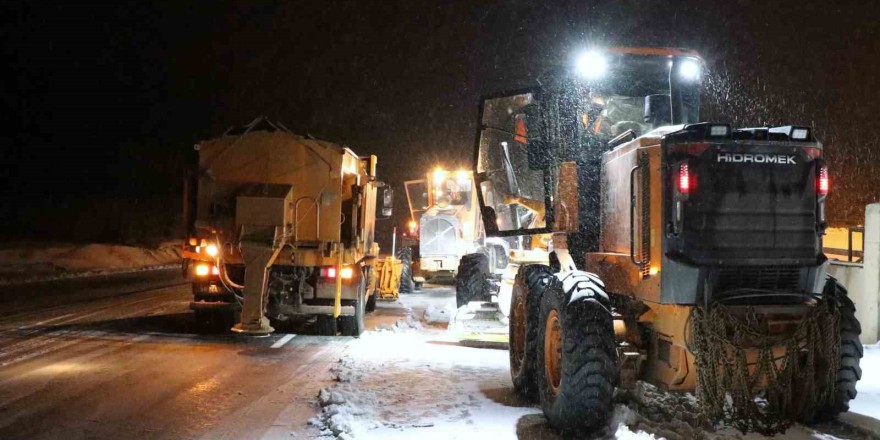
(799, 133)
(719, 130)
(689, 69)
(591, 65)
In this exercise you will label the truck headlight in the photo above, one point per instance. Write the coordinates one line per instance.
(202, 270)
(211, 250)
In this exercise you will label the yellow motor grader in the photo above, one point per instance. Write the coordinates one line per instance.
(684, 253)
(282, 225)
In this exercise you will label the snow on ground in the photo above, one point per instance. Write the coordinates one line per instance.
(427, 388)
(407, 381)
(37, 263)
(867, 402)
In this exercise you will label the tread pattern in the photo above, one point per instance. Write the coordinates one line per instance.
(589, 364)
(472, 279)
(407, 285)
(531, 280)
(849, 371)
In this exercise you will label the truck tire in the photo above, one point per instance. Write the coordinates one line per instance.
(577, 360)
(355, 325)
(848, 372)
(325, 325)
(371, 302)
(371, 299)
(531, 280)
(471, 281)
(407, 285)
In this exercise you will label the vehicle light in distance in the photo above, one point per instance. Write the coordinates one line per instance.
(211, 250)
(202, 270)
(346, 273)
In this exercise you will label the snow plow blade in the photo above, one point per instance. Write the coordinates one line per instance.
(480, 324)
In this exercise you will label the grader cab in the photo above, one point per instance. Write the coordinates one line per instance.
(686, 254)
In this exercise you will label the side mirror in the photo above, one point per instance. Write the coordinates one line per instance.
(658, 110)
(384, 202)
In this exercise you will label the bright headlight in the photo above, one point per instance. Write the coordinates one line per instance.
(689, 70)
(591, 65)
(211, 250)
(439, 175)
(203, 270)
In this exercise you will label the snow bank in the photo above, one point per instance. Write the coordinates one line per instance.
(36, 263)
(437, 315)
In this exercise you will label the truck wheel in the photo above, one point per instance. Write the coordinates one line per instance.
(371, 299)
(848, 372)
(531, 280)
(371, 302)
(407, 285)
(354, 325)
(325, 325)
(577, 361)
(471, 281)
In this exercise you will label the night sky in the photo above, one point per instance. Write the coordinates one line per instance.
(104, 101)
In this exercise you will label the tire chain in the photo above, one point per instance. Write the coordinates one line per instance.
(727, 390)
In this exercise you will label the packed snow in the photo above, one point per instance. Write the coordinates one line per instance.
(30, 262)
(408, 380)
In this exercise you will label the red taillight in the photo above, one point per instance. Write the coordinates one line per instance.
(684, 179)
(328, 272)
(823, 185)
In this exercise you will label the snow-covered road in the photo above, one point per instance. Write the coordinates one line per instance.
(410, 380)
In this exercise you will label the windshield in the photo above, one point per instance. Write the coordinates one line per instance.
(452, 188)
(633, 82)
(418, 198)
(510, 186)
(572, 119)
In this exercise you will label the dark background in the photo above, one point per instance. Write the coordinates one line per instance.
(102, 102)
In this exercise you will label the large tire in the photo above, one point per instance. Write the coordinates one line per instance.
(531, 280)
(576, 385)
(355, 325)
(848, 372)
(371, 302)
(371, 299)
(325, 325)
(472, 279)
(407, 285)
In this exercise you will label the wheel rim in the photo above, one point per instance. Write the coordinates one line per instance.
(518, 342)
(552, 352)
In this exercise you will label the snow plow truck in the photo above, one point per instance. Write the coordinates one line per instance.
(445, 216)
(282, 225)
(686, 254)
